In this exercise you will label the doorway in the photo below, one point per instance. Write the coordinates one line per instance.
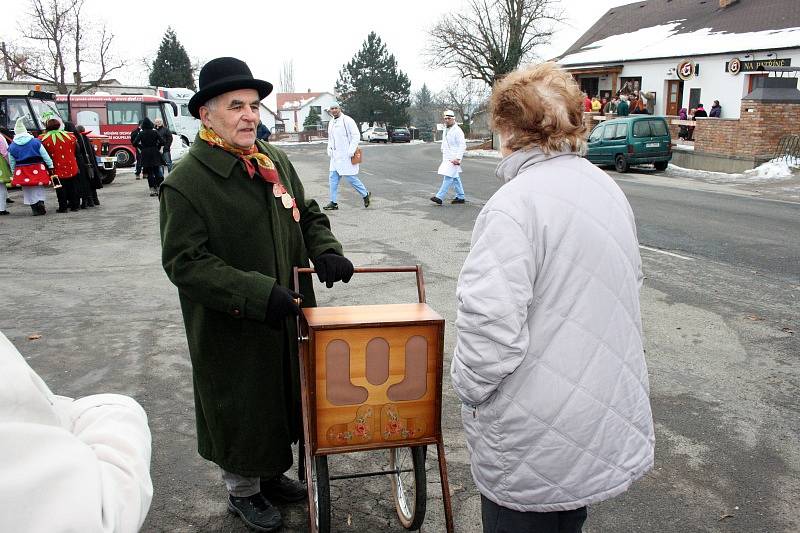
(590, 86)
(674, 96)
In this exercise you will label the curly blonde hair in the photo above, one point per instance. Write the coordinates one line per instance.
(539, 106)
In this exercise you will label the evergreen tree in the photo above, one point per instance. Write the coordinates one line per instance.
(372, 88)
(423, 113)
(313, 119)
(172, 67)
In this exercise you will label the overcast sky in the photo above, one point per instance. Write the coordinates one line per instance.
(318, 36)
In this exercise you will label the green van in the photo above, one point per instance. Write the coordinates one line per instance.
(631, 140)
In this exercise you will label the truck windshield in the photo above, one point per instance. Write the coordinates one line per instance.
(45, 110)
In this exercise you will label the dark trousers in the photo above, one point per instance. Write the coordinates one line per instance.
(167, 156)
(498, 519)
(67, 194)
(154, 177)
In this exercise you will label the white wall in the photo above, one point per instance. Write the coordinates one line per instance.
(714, 82)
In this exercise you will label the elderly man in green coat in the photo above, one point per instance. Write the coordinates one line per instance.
(234, 221)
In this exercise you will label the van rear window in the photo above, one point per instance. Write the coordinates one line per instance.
(649, 128)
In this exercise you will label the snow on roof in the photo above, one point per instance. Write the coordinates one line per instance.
(666, 41)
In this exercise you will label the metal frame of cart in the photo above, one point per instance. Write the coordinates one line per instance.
(407, 449)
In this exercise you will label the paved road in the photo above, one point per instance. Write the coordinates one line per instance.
(719, 313)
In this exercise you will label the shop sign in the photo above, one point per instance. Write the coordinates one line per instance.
(686, 69)
(736, 65)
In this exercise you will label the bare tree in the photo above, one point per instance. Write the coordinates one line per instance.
(286, 80)
(492, 37)
(55, 28)
(464, 96)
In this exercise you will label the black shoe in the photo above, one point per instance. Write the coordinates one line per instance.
(366, 199)
(457, 201)
(9, 200)
(62, 210)
(256, 512)
(332, 206)
(283, 489)
(40, 207)
(436, 200)
(3, 213)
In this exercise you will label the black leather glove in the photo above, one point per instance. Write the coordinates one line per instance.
(281, 304)
(332, 267)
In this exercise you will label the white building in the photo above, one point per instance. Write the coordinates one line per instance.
(686, 51)
(293, 108)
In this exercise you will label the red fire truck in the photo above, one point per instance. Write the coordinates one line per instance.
(116, 116)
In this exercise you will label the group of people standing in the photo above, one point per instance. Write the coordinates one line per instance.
(152, 141)
(62, 156)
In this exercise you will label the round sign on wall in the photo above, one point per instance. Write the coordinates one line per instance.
(734, 66)
(686, 69)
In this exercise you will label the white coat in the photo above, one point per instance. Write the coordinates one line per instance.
(343, 139)
(549, 358)
(69, 465)
(453, 147)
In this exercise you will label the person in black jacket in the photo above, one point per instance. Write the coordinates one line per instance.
(134, 140)
(262, 132)
(84, 176)
(166, 136)
(95, 176)
(149, 143)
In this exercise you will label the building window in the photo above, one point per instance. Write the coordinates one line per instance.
(694, 98)
(316, 109)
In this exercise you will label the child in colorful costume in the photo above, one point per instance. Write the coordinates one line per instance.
(61, 145)
(31, 166)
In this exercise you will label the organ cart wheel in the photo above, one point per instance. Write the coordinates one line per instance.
(408, 484)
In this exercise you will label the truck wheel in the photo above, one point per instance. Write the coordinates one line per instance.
(620, 163)
(661, 165)
(108, 176)
(124, 157)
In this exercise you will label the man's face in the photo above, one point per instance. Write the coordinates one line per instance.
(234, 117)
(449, 121)
(158, 123)
(335, 111)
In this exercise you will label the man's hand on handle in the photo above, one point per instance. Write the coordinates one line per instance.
(282, 303)
(332, 267)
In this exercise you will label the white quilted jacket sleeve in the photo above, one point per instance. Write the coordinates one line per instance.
(495, 291)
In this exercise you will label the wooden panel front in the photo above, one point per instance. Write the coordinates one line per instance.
(363, 399)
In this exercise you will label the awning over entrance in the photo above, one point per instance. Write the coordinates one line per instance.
(611, 71)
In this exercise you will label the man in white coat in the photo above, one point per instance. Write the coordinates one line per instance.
(343, 138)
(453, 148)
(69, 465)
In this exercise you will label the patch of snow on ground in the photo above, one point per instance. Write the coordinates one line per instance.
(484, 153)
(775, 169)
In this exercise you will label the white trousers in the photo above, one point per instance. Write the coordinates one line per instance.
(3, 196)
(31, 195)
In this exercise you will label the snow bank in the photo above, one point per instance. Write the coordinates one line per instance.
(775, 169)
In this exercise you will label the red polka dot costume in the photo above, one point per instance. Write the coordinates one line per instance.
(60, 145)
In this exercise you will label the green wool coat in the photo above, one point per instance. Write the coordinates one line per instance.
(226, 240)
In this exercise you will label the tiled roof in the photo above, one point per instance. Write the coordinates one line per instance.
(294, 100)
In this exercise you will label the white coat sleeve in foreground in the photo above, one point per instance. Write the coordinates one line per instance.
(495, 290)
(91, 477)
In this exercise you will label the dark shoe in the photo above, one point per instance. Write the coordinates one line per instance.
(256, 512)
(3, 213)
(332, 206)
(457, 201)
(138, 177)
(436, 200)
(35, 210)
(62, 210)
(40, 207)
(366, 199)
(9, 200)
(96, 202)
(283, 489)
(75, 208)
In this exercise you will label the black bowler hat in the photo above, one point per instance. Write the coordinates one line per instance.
(222, 75)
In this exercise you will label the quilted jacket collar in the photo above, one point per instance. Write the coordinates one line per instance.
(517, 162)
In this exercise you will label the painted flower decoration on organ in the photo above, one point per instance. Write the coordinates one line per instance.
(288, 201)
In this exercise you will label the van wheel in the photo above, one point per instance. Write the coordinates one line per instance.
(661, 165)
(620, 163)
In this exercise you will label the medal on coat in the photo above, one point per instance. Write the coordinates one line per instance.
(278, 190)
(288, 201)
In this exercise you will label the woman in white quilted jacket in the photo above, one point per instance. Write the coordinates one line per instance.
(549, 362)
